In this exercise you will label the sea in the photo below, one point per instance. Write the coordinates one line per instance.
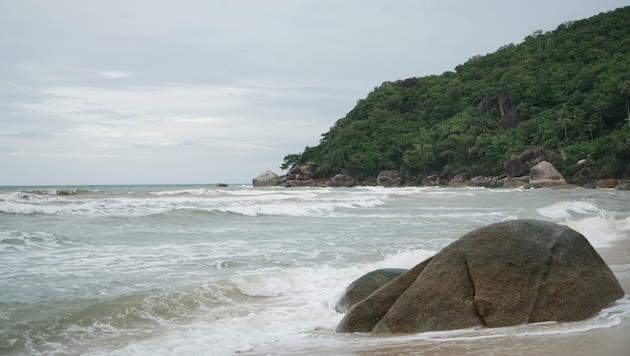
(242, 270)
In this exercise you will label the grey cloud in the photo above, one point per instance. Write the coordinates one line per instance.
(119, 85)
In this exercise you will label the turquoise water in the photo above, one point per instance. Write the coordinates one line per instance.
(204, 270)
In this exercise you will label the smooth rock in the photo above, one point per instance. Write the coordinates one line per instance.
(365, 285)
(266, 179)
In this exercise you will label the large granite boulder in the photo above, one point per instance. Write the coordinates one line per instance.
(364, 286)
(544, 173)
(520, 165)
(509, 273)
(514, 167)
(266, 179)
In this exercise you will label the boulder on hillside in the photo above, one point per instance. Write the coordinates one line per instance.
(511, 119)
(364, 286)
(514, 167)
(520, 165)
(508, 273)
(391, 178)
(533, 156)
(584, 175)
(266, 179)
(544, 173)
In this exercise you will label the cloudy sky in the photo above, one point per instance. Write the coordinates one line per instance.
(207, 91)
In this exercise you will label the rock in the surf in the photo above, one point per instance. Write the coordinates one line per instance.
(365, 285)
(509, 273)
(363, 316)
(389, 178)
(342, 180)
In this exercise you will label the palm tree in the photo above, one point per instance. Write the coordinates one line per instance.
(564, 121)
(599, 106)
(626, 89)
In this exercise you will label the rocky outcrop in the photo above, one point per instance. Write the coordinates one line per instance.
(460, 180)
(486, 182)
(364, 286)
(623, 186)
(534, 168)
(511, 119)
(390, 178)
(342, 180)
(545, 174)
(605, 183)
(514, 167)
(520, 165)
(509, 273)
(583, 176)
(510, 116)
(266, 179)
(430, 180)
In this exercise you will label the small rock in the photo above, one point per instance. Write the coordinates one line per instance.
(364, 286)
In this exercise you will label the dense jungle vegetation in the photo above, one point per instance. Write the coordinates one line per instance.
(568, 88)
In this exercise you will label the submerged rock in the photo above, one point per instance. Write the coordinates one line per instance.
(521, 271)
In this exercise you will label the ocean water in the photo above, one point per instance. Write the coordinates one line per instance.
(133, 270)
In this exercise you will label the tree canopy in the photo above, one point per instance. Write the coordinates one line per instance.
(568, 88)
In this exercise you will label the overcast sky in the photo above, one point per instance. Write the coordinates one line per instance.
(203, 91)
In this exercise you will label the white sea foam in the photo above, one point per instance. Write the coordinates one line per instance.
(568, 209)
(243, 202)
(194, 270)
(601, 230)
(272, 305)
(293, 309)
(21, 240)
(598, 225)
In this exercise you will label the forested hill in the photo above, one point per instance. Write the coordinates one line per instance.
(568, 88)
